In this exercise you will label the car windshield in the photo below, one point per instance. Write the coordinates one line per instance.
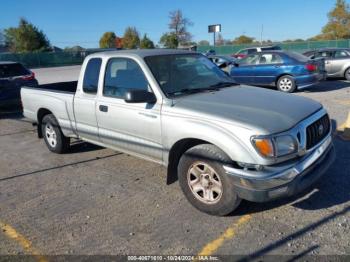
(182, 74)
(11, 70)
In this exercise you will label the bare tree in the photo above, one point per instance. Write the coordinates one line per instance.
(179, 24)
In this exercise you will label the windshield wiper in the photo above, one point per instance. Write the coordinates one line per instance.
(193, 90)
(223, 84)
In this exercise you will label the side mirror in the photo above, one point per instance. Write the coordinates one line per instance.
(139, 96)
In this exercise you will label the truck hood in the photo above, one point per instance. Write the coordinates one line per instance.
(255, 108)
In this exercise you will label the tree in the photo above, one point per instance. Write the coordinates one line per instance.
(131, 38)
(146, 43)
(243, 39)
(107, 40)
(204, 42)
(178, 25)
(2, 38)
(26, 38)
(169, 40)
(338, 26)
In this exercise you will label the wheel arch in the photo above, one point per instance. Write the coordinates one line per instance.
(175, 153)
(40, 115)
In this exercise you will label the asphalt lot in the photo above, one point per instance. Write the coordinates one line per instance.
(96, 201)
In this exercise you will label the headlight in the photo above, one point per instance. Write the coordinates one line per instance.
(285, 145)
(275, 146)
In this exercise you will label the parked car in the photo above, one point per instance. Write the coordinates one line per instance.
(223, 62)
(224, 142)
(288, 71)
(247, 51)
(13, 76)
(337, 61)
(209, 52)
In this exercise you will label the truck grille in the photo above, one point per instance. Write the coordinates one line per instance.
(317, 131)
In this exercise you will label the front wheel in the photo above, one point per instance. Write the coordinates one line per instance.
(53, 136)
(286, 84)
(204, 182)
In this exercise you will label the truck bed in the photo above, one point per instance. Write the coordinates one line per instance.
(69, 87)
(56, 98)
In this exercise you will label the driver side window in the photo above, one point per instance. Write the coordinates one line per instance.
(121, 75)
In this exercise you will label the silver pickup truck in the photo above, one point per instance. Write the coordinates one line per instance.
(224, 142)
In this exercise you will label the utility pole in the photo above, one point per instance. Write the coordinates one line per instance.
(261, 35)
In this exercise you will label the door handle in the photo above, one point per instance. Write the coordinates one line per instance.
(103, 108)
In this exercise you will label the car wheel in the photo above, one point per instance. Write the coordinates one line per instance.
(286, 84)
(53, 136)
(347, 74)
(204, 182)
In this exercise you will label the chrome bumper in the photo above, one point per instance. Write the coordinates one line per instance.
(285, 178)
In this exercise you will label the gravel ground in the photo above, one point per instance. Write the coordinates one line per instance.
(96, 201)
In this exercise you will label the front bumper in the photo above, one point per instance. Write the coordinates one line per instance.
(285, 179)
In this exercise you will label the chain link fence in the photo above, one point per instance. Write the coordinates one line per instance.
(50, 59)
(292, 46)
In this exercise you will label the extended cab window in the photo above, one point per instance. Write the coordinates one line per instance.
(121, 75)
(91, 75)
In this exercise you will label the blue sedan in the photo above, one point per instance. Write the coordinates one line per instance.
(288, 71)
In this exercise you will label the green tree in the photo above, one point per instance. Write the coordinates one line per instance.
(204, 42)
(107, 40)
(338, 26)
(131, 38)
(243, 39)
(2, 38)
(169, 40)
(146, 43)
(26, 38)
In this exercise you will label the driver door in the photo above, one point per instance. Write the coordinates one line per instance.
(244, 71)
(129, 127)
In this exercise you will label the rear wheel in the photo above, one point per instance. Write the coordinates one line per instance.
(53, 136)
(347, 74)
(204, 182)
(286, 84)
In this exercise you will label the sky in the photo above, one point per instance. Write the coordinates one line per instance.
(78, 22)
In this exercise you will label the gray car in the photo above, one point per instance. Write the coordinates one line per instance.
(223, 141)
(337, 61)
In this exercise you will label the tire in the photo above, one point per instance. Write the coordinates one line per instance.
(53, 136)
(286, 84)
(204, 182)
(347, 74)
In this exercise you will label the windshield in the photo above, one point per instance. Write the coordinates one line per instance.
(186, 73)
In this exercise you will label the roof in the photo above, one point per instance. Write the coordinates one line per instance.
(329, 49)
(143, 52)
